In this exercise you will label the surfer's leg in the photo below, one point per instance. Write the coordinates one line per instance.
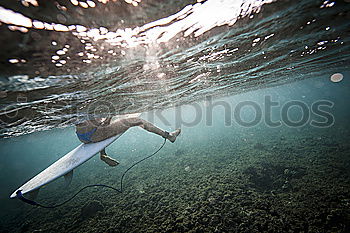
(113, 129)
(136, 121)
(105, 158)
(121, 125)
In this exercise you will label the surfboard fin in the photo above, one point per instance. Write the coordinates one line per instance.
(68, 178)
(33, 194)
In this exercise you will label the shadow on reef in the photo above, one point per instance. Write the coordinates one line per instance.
(267, 177)
(90, 209)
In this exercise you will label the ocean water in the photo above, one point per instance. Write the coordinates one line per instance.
(259, 89)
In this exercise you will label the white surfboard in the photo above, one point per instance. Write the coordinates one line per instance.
(64, 166)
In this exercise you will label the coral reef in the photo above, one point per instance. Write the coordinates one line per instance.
(298, 184)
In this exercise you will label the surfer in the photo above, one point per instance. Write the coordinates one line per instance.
(99, 129)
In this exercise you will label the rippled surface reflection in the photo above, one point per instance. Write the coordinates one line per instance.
(59, 59)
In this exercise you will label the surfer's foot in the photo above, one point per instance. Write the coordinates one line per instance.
(172, 136)
(111, 162)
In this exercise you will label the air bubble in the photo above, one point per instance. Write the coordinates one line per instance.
(337, 77)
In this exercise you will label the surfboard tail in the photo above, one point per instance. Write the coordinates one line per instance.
(32, 195)
(64, 166)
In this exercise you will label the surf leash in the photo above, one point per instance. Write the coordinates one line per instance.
(120, 190)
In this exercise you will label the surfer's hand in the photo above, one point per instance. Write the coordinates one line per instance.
(106, 121)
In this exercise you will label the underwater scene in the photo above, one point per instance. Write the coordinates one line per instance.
(259, 89)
